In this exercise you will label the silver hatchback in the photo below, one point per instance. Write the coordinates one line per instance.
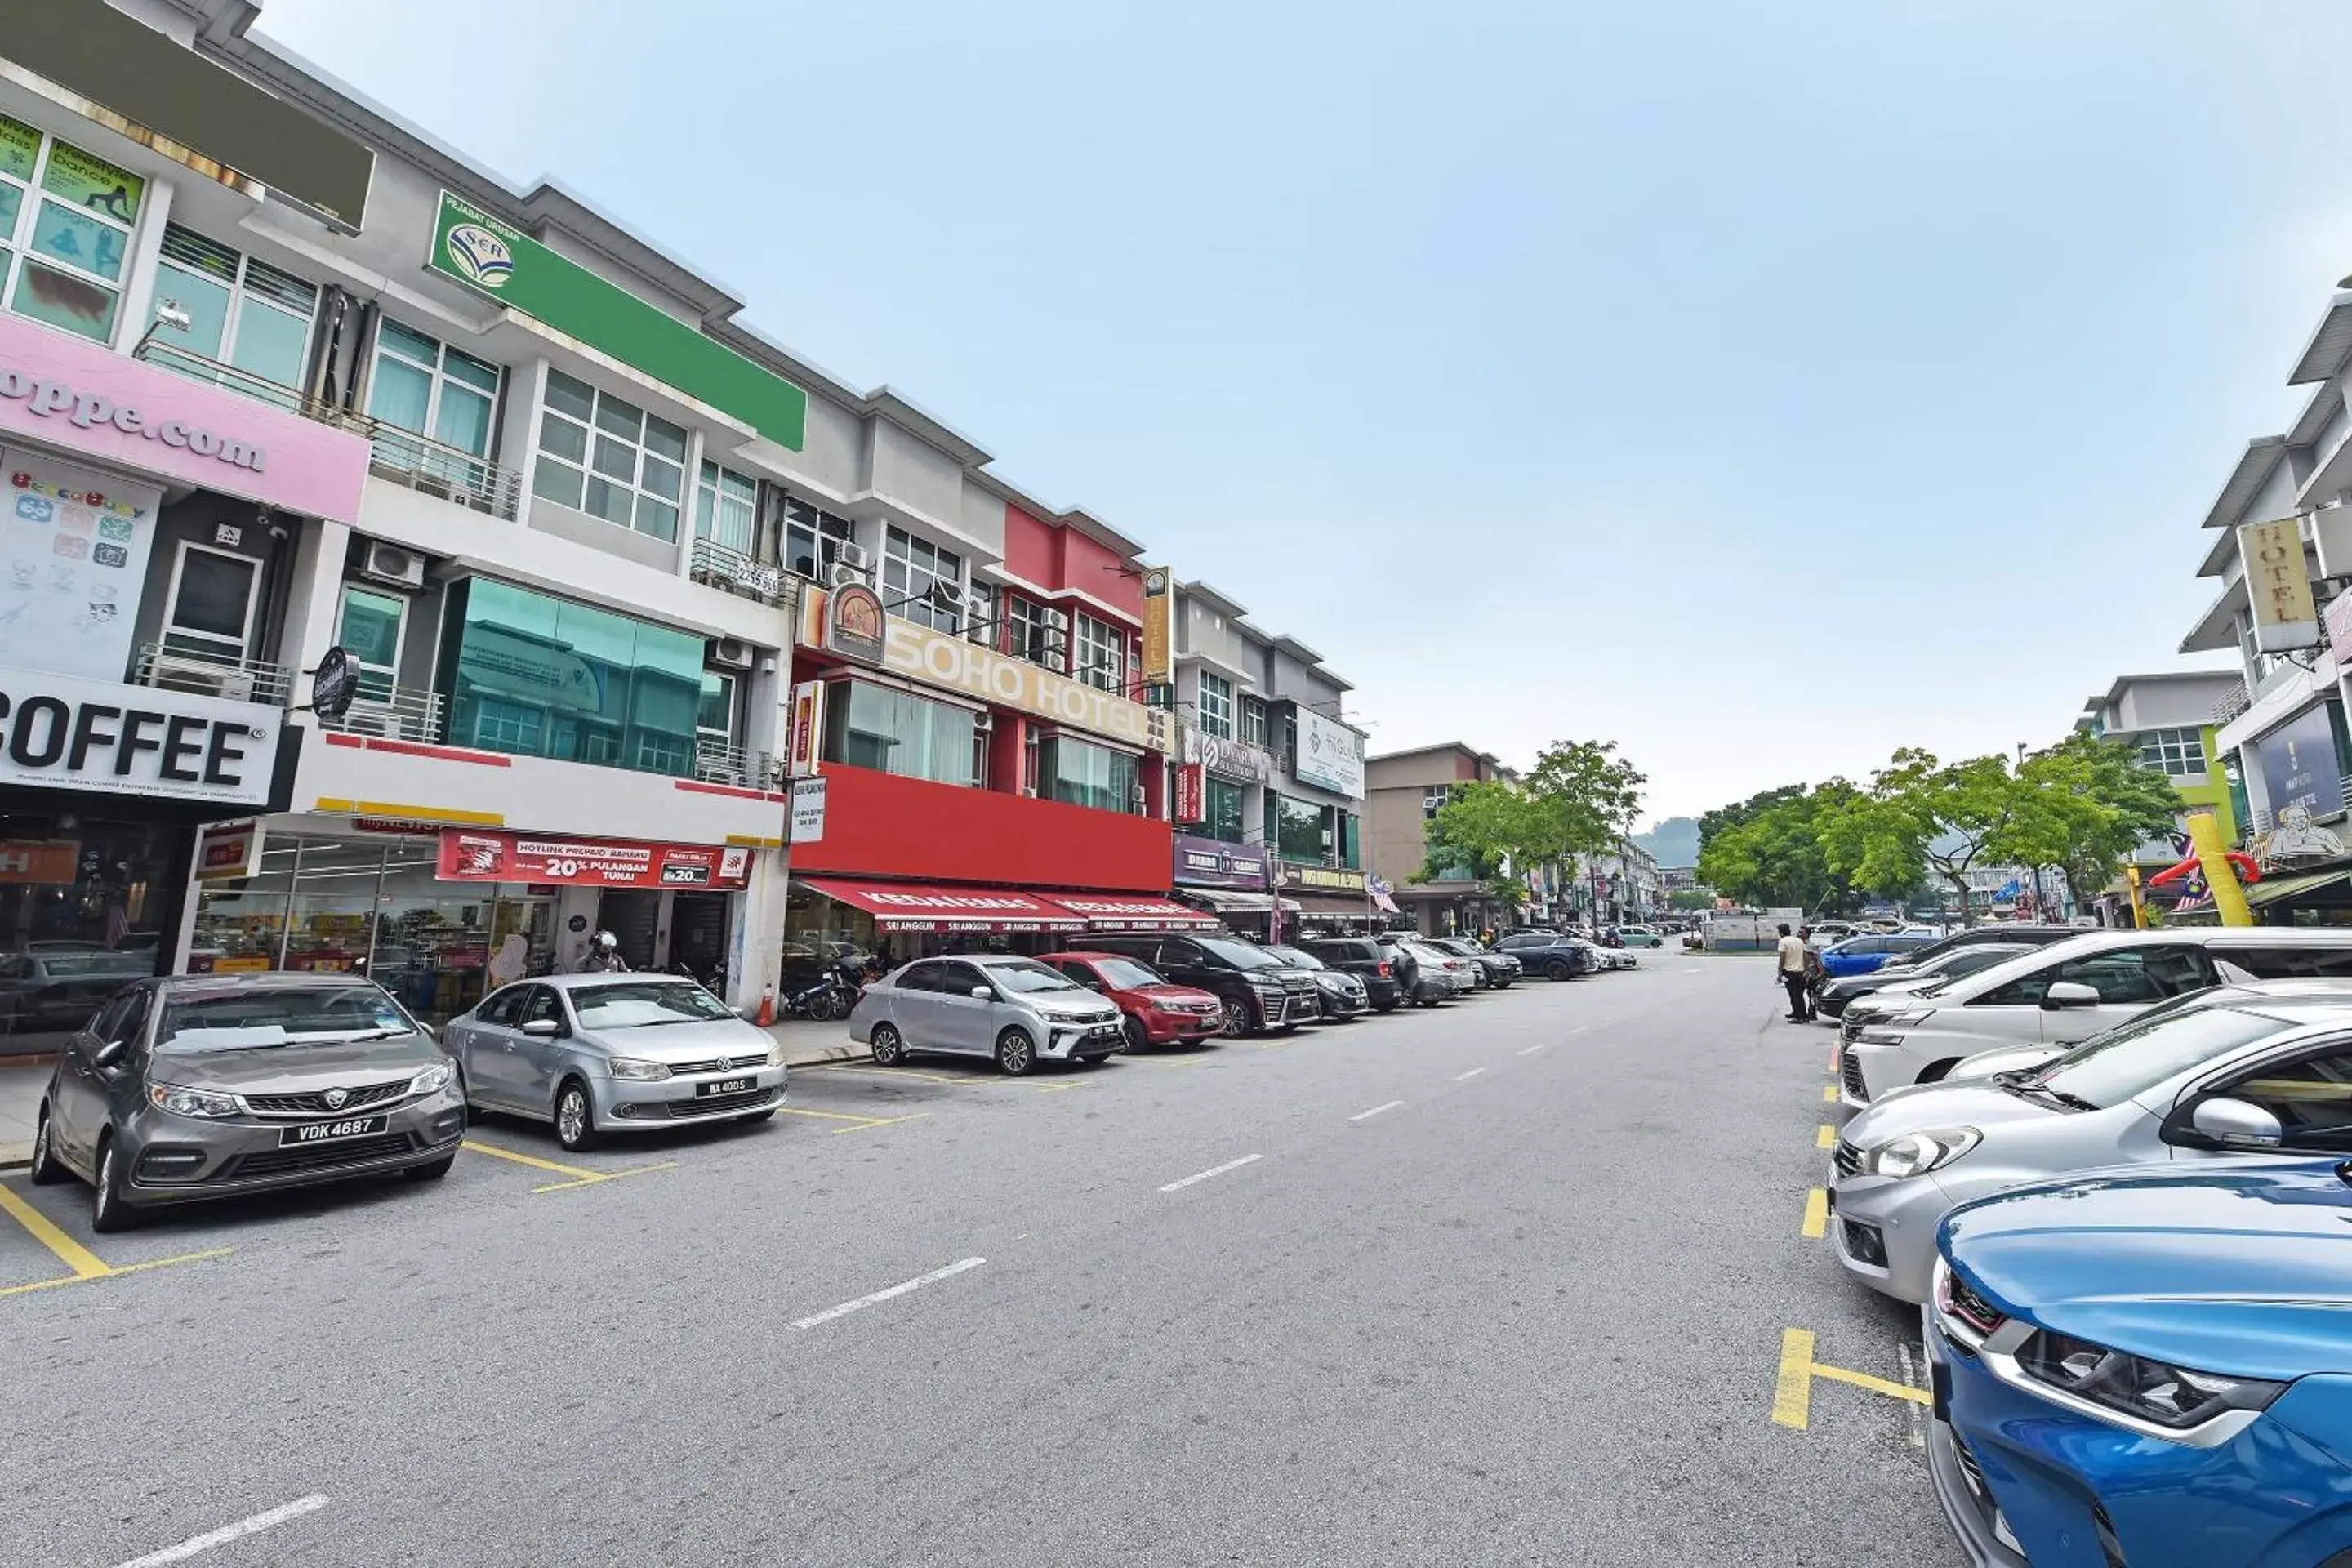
(601, 1054)
(1015, 1010)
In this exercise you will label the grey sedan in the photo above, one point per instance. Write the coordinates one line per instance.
(204, 1086)
(1016, 1010)
(600, 1054)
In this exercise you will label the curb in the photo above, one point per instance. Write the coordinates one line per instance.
(823, 1055)
(15, 1156)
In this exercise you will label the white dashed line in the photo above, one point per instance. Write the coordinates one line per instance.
(1466, 1076)
(1580, 1028)
(267, 1520)
(917, 1283)
(1532, 1049)
(1697, 970)
(1211, 1171)
(1375, 1110)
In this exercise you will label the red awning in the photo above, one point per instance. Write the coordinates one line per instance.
(913, 906)
(1106, 913)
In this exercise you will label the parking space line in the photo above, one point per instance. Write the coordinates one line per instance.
(894, 1072)
(1211, 1171)
(592, 1178)
(109, 1273)
(1817, 1215)
(268, 1519)
(581, 1176)
(1826, 1137)
(901, 1289)
(1580, 1028)
(1793, 1386)
(1366, 1115)
(86, 1263)
(533, 1161)
(1828, 1094)
(1466, 1076)
(1060, 1088)
(1886, 1385)
(871, 1123)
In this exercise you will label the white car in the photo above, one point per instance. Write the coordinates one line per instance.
(2065, 992)
(2263, 1070)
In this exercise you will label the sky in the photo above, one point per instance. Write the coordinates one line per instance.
(1760, 386)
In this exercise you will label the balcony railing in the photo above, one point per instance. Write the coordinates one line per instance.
(401, 456)
(211, 675)
(717, 763)
(714, 564)
(2230, 707)
(392, 713)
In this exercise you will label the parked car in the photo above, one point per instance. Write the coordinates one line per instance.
(1364, 958)
(59, 985)
(1342, 997)
(1550, 953)
(2148, 1370)
(1016, 1011)
(1832, 997)
(202, 1086)
(2232, 1070)
(1862, 955)
(1426, 973)
(1639, 936)
(1489, 968)
(2010, 932)
(1459, 973)
(1257, 991)
(596, 1055)
(2065, 992)
(1153, 1009)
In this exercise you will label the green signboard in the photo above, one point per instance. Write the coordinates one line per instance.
(506, 265)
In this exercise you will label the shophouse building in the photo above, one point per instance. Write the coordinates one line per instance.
(1406, 790)
(2166, 718)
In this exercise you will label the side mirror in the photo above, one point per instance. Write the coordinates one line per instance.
(983, 994)
(542, 1028)
(2237, 1122)
(109, 1056)
(2069, 993)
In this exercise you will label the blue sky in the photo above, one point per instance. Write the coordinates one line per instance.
(1762, 386)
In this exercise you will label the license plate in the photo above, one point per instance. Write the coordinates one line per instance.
(332, 1132)
(723, 1086)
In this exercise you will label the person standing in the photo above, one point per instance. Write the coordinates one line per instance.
(1791, 964)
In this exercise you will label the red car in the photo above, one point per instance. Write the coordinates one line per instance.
(1157, 1012)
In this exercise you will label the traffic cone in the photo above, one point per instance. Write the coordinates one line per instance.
(767, 1005)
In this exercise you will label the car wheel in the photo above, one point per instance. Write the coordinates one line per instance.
(1940, 1071)
(108, 1212)
(575, 1116)
(1016, 1053)
(1237, 1020)
(431, 1170)
(46, 1171)
(1136, 1038)
(1557, 969)
(840, 1007)
(889, 1049)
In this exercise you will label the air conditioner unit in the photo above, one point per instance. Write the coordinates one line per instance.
(984, 723)
(391, 563)
(1137, 795)
(847, 554)
(732, 653)
(1055, 620)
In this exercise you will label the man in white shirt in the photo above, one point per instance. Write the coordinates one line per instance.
(1791, 964)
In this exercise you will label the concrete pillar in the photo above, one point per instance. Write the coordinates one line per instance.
(314, 597)
(756, 947)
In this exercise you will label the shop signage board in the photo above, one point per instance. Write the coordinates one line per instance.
(1134, 914)
(808, 811)
(2299, 767)
(1213, 863)
(228, 851)
(915, 908)
(2278, 582)
(39, 862)
(61, 732)
(476, 854)
(1229, 759)
(1325, 878)
(1329, 755)
(854, 624)
(1191, 793)
(73, 557)
(2338, 621)
(1158, 626)
(805, 746)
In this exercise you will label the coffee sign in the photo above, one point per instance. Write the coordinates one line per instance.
(65, 733)
(853, 623)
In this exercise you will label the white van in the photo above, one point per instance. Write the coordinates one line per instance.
(2070, 991)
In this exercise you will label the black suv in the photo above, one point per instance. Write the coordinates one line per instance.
(1547, 952)
(1361, 957)
(1258, 991)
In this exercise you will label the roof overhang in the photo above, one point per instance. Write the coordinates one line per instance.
(2254, 465)
(1224, 603)
(2330, 342)
(2217, 629)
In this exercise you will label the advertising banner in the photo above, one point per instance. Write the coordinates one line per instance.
(2338, 617)
(73, 554)
(1329, 755)
(2299, 767)
(476, 854)
(1158, 626)
(68, 733)
(1228, 759)
(2279, 583)
(228, 851)
(1213, 863)
(808, 811)
(808, 736)
(1191, 794)
(1324, 879)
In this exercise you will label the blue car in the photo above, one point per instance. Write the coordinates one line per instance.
(2148, 1371)
(1866, 954)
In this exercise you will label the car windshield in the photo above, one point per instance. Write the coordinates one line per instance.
(1298, 956)
(236, 1018)
(1029, 975)
(2131, 1058)
(1126, 974)
(645, 1004)
(1240, 954)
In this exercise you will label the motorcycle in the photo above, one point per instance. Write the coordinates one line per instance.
(831, 999)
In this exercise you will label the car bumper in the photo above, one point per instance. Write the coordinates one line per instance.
(1383, 992)
(625, 1107)
(1885, 1231)
(1181, 1028)
(1339, 1010)
(1069, 1042)
(176, 1159)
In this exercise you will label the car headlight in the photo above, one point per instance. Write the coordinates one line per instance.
(1917, 1154)
(431, 1081)
(1905, 1020)
(2152, 1391)
(632, 1070)
(182, 1101)
(776, 1055)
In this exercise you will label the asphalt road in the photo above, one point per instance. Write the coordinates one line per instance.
(1504, 1283)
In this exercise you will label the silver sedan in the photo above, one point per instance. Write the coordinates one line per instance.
(601, 1054)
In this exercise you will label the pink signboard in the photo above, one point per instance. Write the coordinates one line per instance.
(68, 393)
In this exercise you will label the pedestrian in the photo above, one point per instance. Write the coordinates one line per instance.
(1816, 972)
(1792, 967)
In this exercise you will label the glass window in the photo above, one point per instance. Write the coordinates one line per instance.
(1101, 654)
(1432, 801)
(2121, 976)
(529, 674)
(813, 539)
(1216, 705)
(911, 569)
(241, 312)
(1254, 721)
(2132, 1058)
(715, 717)
(1034, 632)
(726, 505)
(422, 384)
(634, 1004)
(893, 732)
(66, 221)
(2311, 1097)
(212, 604)
(2179, 752)
(1224, 805)
(370, 631)
(1352, 853)
(1084, 773)
(1300, 829)
(634, 462)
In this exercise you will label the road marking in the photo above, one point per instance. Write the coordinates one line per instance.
(1532, 1049)
(86, 1263)
(899, 1072)
(1826, 1137)
(1887, 1386)
(1828, 1094)
(205, 1257)
(533, 1161)
(856, 1124)
(590, 1181)
(1580, 1028)
(1215, 1171)
(269, 1518)
(1359, 1116)
(1696, 969)
(1817, 1215)
(581, 1176)
(901, 1289)
(1793, 1387)
(1466, 1076)
(1060, 1088)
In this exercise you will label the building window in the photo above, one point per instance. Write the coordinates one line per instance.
(1300, 830)
(714, 715)
(1101, 654)
(1035, 632)
(370, 630)
(911, 569)
(813, 539)
(1084, 773)
(1432, 800)
(1224, 801)
(210, 613)
(241, 312)
(609, 458)
(893, 732)
(1254, 721)
(2180, 753)
(65, 231)
(532, 674)
(1216, 705)
(1351, 850)
(725, 506)
(421, 384)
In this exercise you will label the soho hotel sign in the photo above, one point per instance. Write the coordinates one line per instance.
(939, 659)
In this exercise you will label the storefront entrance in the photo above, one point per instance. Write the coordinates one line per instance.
(85, 903)
(635, 920)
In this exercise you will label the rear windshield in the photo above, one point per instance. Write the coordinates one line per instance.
(1298, 956)
(228, 1018)
(642, 1004)
(2132, 1058)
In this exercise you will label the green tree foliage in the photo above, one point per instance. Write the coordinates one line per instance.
(1723, 818)
(1798, 848)
(1486, 829)
(1579, 798)
(2090, 803)
(1945, 817)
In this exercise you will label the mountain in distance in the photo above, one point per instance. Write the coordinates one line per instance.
(1674, 840)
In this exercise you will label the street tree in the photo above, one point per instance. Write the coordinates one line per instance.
(1579, 798)
(1489, 829)
(2092, 802)
(1945, 817)
(1795, 848)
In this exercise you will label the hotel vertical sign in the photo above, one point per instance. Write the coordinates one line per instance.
(2278, 586)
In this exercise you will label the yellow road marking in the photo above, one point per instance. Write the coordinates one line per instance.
(1058, 1087)
(889, 1072)
(594, 1177)
(1826, 1138)
(86, 1263)
(533, 1161)
(1792, 1389)
(829, 1115)
(880, 1121)
(1876, 1384)
(1817, 1215)
(1829, 1093)
(111, 1273)
(581, 1176)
